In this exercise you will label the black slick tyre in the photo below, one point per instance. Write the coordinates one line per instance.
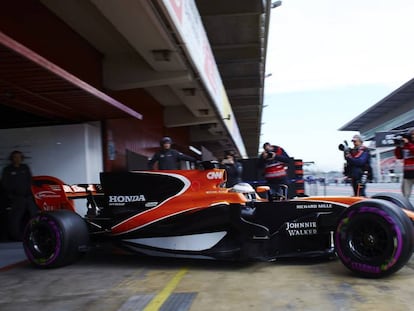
(374, 238)
(396, 198)
(55, 239)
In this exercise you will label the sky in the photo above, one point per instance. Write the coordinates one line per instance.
(328, 61)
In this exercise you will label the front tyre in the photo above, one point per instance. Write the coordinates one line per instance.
(55, 239)
(374, 238)
(396, 198)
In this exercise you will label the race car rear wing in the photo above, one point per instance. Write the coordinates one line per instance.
(51, 193)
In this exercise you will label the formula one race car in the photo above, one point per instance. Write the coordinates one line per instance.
(188, 213)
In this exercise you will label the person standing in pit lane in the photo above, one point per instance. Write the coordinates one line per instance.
(17, 182)
(168, 158)
(357, 160)
(4, 203)
(406, 151)
(274, 160)
(234, 169)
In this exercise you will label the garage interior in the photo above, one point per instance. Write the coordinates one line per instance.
(82, 61)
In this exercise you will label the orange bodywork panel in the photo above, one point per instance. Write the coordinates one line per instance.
(202, 190)
(51, 193)
(409, 213)
(335, 199)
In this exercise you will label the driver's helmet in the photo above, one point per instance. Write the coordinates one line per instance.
(242, 188)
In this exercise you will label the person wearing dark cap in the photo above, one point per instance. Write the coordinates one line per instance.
(358, 162)
(234, 169)
(168, 158)
(275, 160)
(17, 182)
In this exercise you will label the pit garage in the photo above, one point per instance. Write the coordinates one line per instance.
(125, 76)
(91, 86)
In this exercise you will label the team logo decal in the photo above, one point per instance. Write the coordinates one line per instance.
(120, 200)
(215, 175)
(301, 228)
(46, 194)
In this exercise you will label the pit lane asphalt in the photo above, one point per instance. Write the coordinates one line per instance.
(123, 282)
(104, 281)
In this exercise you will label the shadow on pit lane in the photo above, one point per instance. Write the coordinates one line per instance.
(108, 258)
(321, 267)
(100, 259)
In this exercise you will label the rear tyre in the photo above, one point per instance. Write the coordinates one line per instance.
(374, 238)
(55, 239)
(398, 199)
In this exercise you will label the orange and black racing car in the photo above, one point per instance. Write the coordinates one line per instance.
(188, 213)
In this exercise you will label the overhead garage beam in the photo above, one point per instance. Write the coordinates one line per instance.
(181, 116)
(220, 7)
(44, 63)
(141, 28)
(198, 135)
(121, 73)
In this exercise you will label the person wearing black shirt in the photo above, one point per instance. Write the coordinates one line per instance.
(17, 181)
(168, 158)
(4, 203)
(234, 169)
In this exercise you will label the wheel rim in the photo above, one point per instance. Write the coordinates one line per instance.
(42, 242)
(370, 240)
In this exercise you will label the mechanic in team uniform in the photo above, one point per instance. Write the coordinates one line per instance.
(358, 165)
(17, 182)
(274, 160)
(406, 151)
(168, 158)
(234, 169)
(4, 203)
